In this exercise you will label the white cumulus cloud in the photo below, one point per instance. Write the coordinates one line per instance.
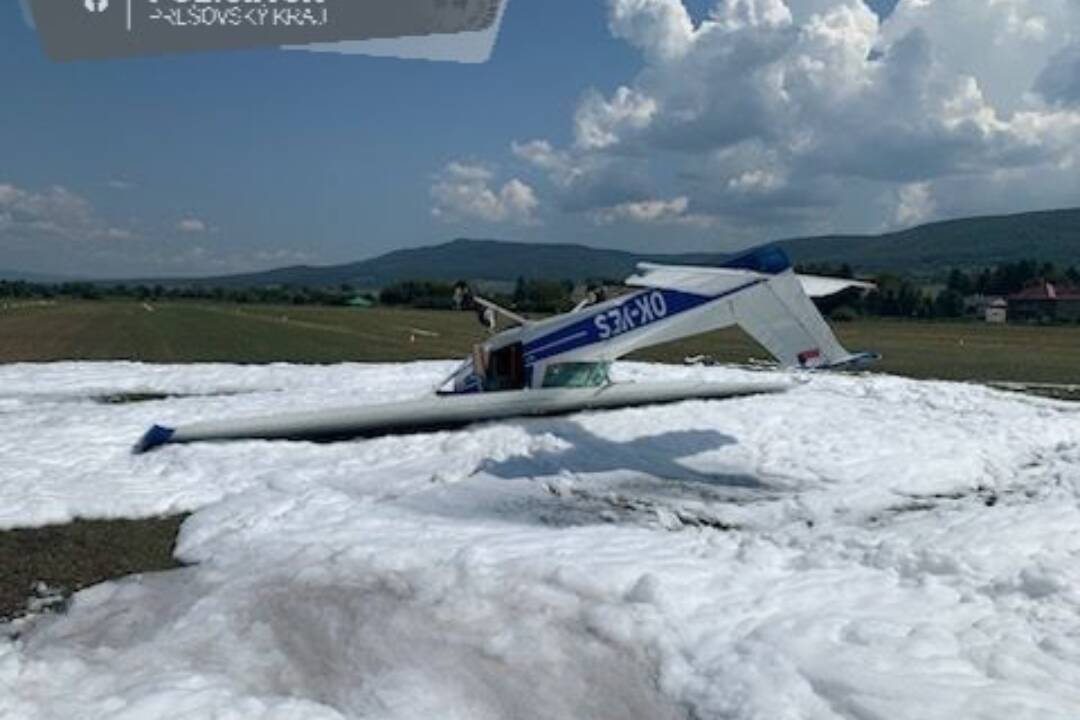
(645, 211)
(783, 116)
(915, 204)
(192, 225)
(55, 212)
(469, 192)
(601, 122)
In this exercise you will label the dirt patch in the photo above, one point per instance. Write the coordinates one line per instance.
(42, 567)
(1046, 390)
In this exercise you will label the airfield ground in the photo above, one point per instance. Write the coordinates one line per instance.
(861, 546)
(181, 332)
(40, 566)
(74, 556)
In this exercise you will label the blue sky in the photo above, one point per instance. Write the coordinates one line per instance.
(327, 155)
(230, 161)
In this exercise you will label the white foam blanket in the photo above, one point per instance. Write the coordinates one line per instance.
(860, 547)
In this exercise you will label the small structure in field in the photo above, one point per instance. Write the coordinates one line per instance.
(997, 311)
(362, 302)
(1045, 302)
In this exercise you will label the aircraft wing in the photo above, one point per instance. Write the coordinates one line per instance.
(817, 287)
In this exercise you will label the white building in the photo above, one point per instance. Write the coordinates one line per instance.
(997, 311)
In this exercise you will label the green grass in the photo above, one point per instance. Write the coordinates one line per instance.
(63, 559)
(928, 350)
(206, 332)
(179, 332)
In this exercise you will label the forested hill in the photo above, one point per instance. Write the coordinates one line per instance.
(1051, 236)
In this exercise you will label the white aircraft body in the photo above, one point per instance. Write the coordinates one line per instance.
(560, 364)
(758, 291)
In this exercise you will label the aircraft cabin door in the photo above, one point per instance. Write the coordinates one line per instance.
(506, 368)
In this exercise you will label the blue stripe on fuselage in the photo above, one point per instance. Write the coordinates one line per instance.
(633, 312)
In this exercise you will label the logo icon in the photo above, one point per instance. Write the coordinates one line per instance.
(96, 6)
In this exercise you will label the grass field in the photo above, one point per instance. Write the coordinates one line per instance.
(181, 332)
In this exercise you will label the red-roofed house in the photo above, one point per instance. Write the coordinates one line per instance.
(1045, 301)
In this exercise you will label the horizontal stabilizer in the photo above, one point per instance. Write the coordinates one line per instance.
(707, 281)
(818, 287)
(713, 280)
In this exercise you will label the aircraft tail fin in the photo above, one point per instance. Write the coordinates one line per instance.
(780, 316)
(769, 301)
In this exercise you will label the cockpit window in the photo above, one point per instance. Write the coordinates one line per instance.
(577, 375)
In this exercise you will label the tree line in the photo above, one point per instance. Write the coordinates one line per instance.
(950, 295)
(23, 290)
(947, 296)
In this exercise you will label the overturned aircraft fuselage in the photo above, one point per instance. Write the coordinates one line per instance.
(560, 364)
(758, 291)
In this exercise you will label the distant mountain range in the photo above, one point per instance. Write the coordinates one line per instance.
(1050, 236)
(15, 275)
(456, 260)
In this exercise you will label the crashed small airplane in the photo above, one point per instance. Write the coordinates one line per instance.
(560, 364)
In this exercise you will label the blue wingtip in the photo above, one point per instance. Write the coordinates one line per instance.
(154, 437)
